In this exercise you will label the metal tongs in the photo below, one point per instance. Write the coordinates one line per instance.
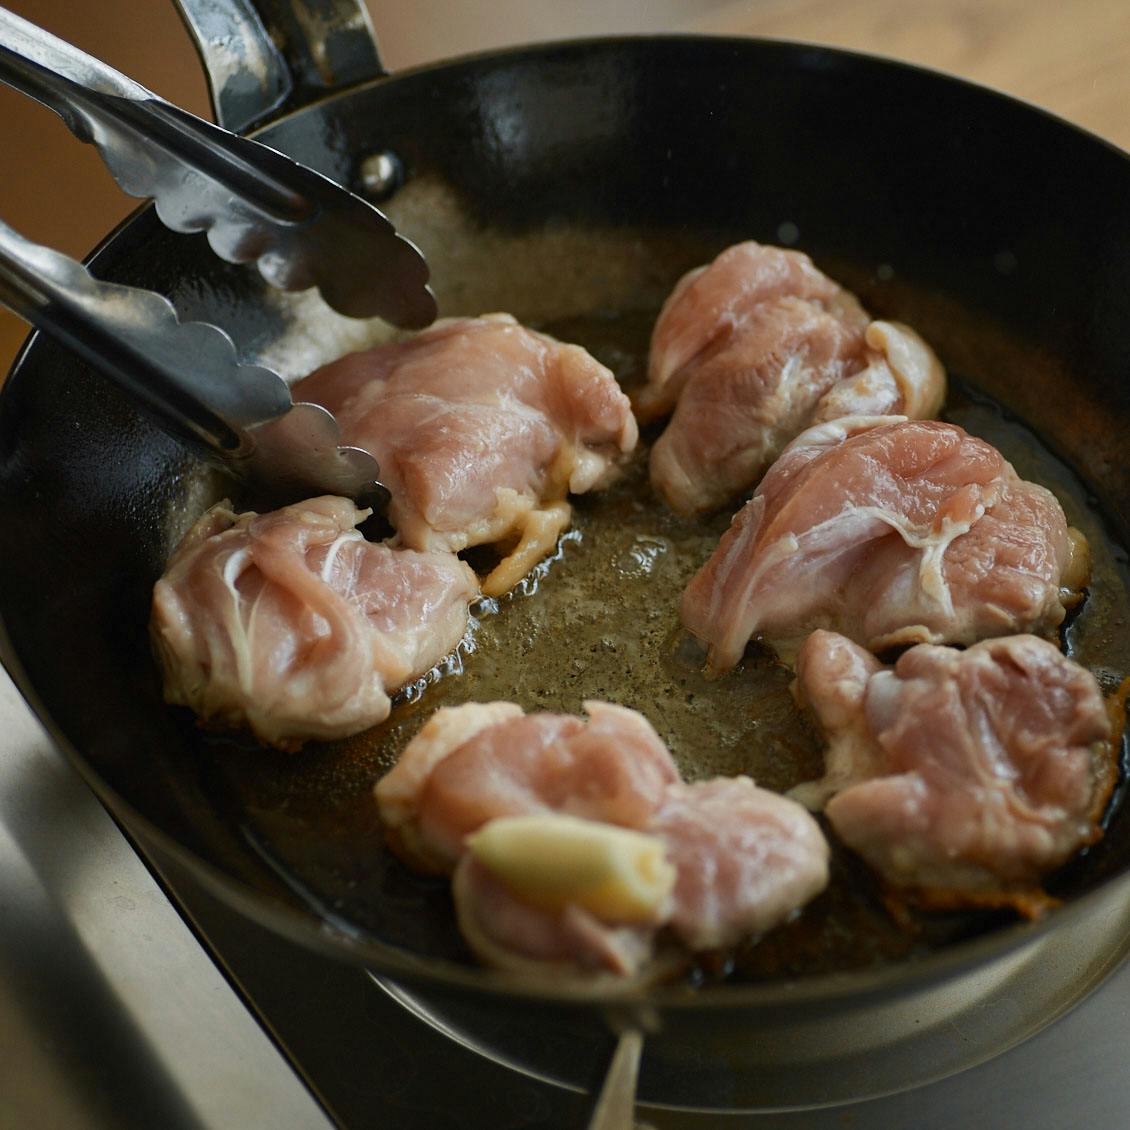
(255, 204)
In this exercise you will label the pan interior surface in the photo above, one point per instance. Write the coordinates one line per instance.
(571, 186)
(612, 590)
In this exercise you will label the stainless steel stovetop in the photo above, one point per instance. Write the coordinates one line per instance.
(114, 1013)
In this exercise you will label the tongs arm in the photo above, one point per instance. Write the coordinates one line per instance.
(187, 376)
(255, 203)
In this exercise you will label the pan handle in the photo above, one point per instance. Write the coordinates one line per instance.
(265, 58)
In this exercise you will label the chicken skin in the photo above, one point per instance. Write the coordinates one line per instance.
(574, 843)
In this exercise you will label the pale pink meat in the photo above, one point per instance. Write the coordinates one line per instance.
(746, 859)
(292, 624)
(890, 532)
(832, 677)
(987, 767)
(752, 349)
(481, 428)
(507, 933)
(612, 767)
(902, 376)
(710, 304)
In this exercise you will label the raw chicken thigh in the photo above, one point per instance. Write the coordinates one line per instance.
(573, 844)
(754, 348)
(476, 762)
(961, 773)
(891, 532)
(608, 892)
(745, 859)
(481, 428)
(292, 624)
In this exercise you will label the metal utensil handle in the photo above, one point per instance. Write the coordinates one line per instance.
(150, 147)
(617, 1100)
(36, 58)
(267, 57)
(255, 204)
(186, 375)
(102, 106)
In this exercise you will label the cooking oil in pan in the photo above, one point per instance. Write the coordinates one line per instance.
(600, 621)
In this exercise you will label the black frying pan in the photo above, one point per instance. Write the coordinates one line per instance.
(553, 181)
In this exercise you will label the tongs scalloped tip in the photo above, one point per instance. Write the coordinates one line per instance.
(187, 375)
(300, 454)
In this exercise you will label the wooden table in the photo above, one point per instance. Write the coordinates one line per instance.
(1070, 56)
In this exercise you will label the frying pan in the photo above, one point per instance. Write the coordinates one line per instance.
(555, 182)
